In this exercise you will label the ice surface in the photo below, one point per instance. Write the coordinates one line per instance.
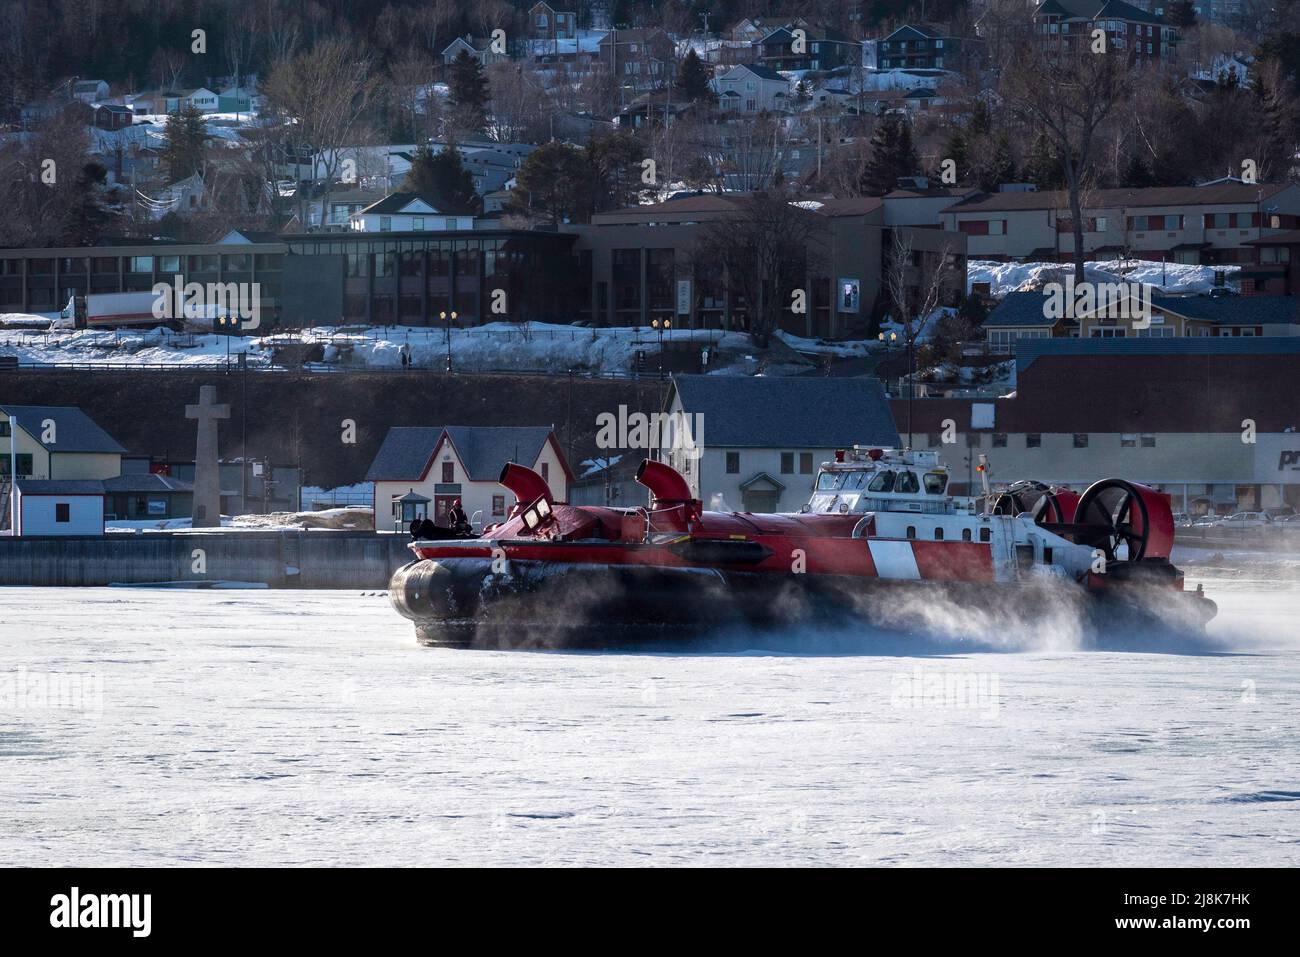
(295, 728)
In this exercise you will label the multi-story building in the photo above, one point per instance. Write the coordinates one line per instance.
(922, 48)
(807, 46)
(1071, 23)
(1187, 224)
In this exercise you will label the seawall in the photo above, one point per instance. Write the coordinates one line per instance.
(278, 559)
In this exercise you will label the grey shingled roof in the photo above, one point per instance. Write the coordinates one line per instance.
(770, 412)
(60, 487)
(146, 482)
(1026, 309)
(483, 450)
(74, 430)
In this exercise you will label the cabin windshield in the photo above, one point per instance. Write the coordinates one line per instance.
(829, 481)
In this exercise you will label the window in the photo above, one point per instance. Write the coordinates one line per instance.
(883, 482)
(62, 513)
(1033, 440)
(1148, 441)
(498, 505)
(448, 473)
(546, 471)
(417, 223)
(911, 531)
(1101, 224)
(938, 534)
(787, 463)
(1128, 440)
(935, 483)
(907, 483)
(985, 534)
(999, 440)
(453, 223)
(140, 264)
(385, 223)
(24, 464)
(733, 463)
(805, 463)
(965, 534)
(1080, 440)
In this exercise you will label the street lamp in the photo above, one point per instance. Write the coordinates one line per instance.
(447, 320)
(661, 326)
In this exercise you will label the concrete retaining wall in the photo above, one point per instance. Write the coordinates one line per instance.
(290, 559)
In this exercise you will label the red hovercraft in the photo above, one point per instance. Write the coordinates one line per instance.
(878, 522)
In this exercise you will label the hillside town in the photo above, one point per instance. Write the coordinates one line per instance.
(641, 193)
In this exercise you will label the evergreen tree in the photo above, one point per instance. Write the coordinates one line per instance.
(184, 140)
(693, 80)
(88, 217)
(1181, 14)
(1043, 168)
(995, 167)
(980, 122)
(956, 150)
(615, 164)
(442, 179)
(892, 156)
(554, 184)
(1137, 174)
(469, 93)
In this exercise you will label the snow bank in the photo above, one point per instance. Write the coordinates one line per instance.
(498, 346)
(1174, 278)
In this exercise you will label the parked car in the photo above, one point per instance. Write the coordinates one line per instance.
(1279, 512)
(1245, 520)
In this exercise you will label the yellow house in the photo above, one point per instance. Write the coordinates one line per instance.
(57, 443)
(420, 471)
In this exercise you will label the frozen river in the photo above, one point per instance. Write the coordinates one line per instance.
(244, 727)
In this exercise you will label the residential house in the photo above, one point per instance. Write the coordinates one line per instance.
(1070, 24)
(89, 91)
(407, 213)
(1165, 412)
(923, 48)
(113, 116)
(752, 88)
(420, 471)
(546, 23)
(1026, 315)
(235, 99)
(812, 48)
(760, 440)
(57, 443)
(642, 58)
(479, 48)
(1189, 224)
(202, 99)
(59, 507)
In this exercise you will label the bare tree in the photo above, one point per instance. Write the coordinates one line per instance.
(762, 250)
(1068, 92)
(915, 284)
(326, 91)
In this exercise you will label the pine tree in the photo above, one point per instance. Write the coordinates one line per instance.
(184, 140)
(996, 167)
(442, 179)
(956, 150)
(1137, 174)
(693, 80)
(469, 93)
(554, 183)
(1043, 168)
(1181, 14)
(892, 156)
(88, 217)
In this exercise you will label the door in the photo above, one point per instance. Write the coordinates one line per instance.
(441, 506)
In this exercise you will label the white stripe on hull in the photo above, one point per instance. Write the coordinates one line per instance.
(894, 559)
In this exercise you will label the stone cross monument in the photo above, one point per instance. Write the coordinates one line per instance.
(207, 476)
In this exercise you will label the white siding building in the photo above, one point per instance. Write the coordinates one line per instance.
(442, 464)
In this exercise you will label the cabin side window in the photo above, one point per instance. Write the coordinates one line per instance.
(907, 483)
(965, 534)
(911, 531)
(985, 534)
(935, 483)
(883, 482)
(938, 534)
